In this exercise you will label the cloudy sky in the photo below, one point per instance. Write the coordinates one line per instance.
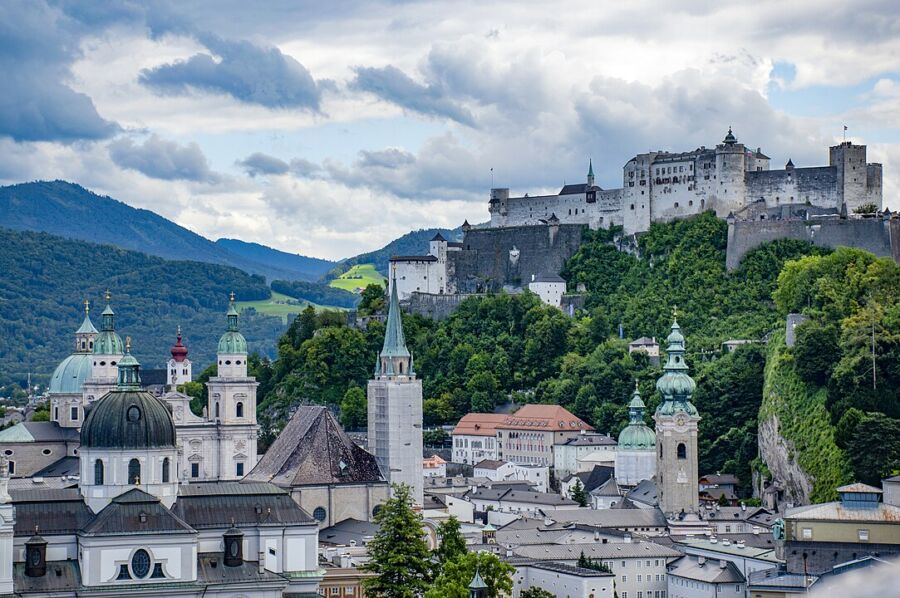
(329, 128)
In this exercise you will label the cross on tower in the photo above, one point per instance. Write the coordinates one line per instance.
(87, 306)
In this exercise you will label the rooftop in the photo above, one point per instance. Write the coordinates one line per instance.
(836, 511)
(630, 518)
(479, 424)
(732, 548)
(615, 550)
(550, 418)
(704, 570)
(591, 440)
(491, 464)
(570, 569)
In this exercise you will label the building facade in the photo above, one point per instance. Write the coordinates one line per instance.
(660, 186)
(395, 408)
(423, 273)
(566, 455)
(475, 438)
(636, 451)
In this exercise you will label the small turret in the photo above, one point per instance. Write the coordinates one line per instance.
(590, 174)
(86, 334)
(129, 370)
(234, 546)
(789, 165)
(477, 587)
(36, 555)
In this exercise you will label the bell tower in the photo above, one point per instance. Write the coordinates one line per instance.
(676, 433)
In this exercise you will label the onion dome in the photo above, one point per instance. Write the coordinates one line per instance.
(730, 139)
(179, 351)
(637, 435)
(232, 341)
(675, 385)
(128, 417)
(108, 342)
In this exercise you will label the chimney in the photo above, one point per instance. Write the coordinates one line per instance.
(740, 544)
(723, 563)
(743, 506)
(627, 539)
(532, 278)
(701, 560)
(596, 535)
(262, 561)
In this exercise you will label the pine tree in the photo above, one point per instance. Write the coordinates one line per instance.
(535, 592)
(452, 543)
(399, 556)
(578, 494)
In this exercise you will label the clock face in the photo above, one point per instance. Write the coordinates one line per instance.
(680, 419)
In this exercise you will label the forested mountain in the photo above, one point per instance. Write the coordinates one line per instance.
(412, 243)
(306, 268)
(45, 279)
(71, 211)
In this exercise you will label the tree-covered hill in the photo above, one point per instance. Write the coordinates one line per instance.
(45, 279)
(71, 211)
(412, 243)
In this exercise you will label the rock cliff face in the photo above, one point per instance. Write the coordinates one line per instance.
(779, 455)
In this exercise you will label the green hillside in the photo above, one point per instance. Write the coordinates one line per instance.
(357, 278)
(412, 243)
(46, 278)
(71, 211)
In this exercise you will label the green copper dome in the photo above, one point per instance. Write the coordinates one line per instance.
(70, 374)
(637, 435)
(108, 342)
(675, 385)
(232, 341)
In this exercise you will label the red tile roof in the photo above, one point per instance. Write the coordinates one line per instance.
(479, 424)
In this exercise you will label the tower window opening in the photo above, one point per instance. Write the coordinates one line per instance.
(165, 471)
(239, 409)
(681, 451)
(98, 472)
(134, 472)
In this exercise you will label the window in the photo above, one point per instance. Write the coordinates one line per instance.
(239, 469)
(56, 414)
(134, 472)
(239, 409)
(12, 467)
(140, 563)
(165, 471)
(682, 451)
(319, 513)
(98, 472)
(807, 533)
(217, 409)
(195, 470)
(863, 535)
(123, 573)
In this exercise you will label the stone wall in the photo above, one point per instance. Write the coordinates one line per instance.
(881, 237)
(495, 258)
(436, 307)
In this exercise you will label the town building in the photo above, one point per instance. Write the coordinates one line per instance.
(434, 467)
(549, 287)
(395, 408)
(645, 345)
(636, 450)
(676, 433)
(660, 186)
(518, 502)
(715, 549)
(129, 528)
(700, 577)
(504, 471)
(589, 480)
(566, 455)
(322, 469)
(475, 437)
(423, 273)
(563, 580)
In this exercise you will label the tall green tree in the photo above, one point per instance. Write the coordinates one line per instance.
(354, 408)
(398, 554)
(578, 494)
(457, 574)
(536, 592)
(452, 544)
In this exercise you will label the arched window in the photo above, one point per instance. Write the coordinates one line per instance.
(401, 367)
(134, 472)
(98, 472)
(239, 410)
(682, 451)
(217, 409)
(165, 471)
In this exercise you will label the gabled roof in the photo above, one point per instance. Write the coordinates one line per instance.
(438, 237)
(38, 432)
(573, 189)
(594, 478)
(546, 418)
(548, 278)
(643, 342)
(313, 450)
(704, 570)
(645, 492)
(491, 464)
(211, 505)
(62, 467)
(347, 531)
(608, 488)
(479, 424)
(136, 512)
(723, 478)
(57, 511)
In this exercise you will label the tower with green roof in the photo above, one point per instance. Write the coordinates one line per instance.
(108, 350)
(231, 405)
(395, 407)
(676, 433)
(590, 174)
(636, 449)
(67, 382)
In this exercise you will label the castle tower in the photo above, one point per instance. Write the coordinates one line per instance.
(853, 176)
(636, 449)
(179, 366)
(108, 350)
(499, 206)
(729, 189)
(676, 433)
(590, 174)
(7, 527)
(395, 408)
(232, 404)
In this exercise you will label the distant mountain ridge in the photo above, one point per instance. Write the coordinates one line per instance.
(412, 243)
(69, 210)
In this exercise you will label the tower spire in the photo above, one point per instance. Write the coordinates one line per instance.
(394, 357)
(590, 174)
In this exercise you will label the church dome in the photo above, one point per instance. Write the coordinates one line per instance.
(179, 351)
(232, 341)
(108, 343)
(128, 419)
(70, 374)
(637, 436)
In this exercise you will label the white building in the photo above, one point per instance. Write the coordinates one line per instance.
(549, 287)
(395, 409)
(636, 451)
(699, 577)
(423, 273)
(434, 467)
(520, 502)
(504, 471)
(563, 580)
(475, 437)
(567, 454)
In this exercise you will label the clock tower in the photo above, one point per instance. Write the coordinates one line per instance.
(676, 433)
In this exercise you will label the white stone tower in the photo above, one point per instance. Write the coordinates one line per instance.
(730, 187)
(7, 527)
(676, 433)
(179, 366)
(395, 409)
(108, 351)
(232, 403)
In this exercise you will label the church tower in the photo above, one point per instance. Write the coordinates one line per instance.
(590, 174)
(67, 383)
(179, 366)
(108, 351)
(395, 409)
(232, 404)
(7, 525)
(636, 450)
(676, 433)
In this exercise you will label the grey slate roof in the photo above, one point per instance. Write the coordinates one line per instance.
(645, 492)
(413, 258)
(64, 466)
(58, 511)
(38, 432)
(725, 478)
(492, 464)
(135, 512)
(619, 518)
(522, 496)
(572, 189)
(612, 550)
(62, 576)
(548, 278)
(594, 478)
(313, 450)
(211, 506)
(570, 569)
(608, 488)
(590, 440)
(347, 531)
(211, 569)
(710, 571)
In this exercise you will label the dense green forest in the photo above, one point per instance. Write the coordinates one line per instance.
(412, 243)
(46, 278)
(504, 347)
